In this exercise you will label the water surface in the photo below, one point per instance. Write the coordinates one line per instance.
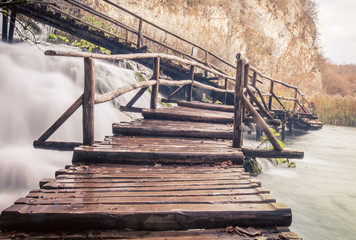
(321, 190)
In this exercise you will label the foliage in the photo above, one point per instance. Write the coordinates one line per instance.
(267, 145)
(335, 110)
(251, 165)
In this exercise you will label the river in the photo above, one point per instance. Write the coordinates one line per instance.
(35, 90)
(321, 190)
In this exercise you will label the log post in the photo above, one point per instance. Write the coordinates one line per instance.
(284, 119)
(4, 24)
(155, 88)
(295, 101)
(88, 101)
(206, 63)
(190, 86)
(225, 94)
(12, 26)
(127, 37)
(139, 34)
(271, 96)
(254, 79)
(258, 133)
(238, 106)
(246, 81)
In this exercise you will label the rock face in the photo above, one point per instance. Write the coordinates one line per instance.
(278, 37)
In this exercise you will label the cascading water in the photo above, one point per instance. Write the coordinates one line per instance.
(34, 91)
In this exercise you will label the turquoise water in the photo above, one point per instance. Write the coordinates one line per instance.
(321, 190)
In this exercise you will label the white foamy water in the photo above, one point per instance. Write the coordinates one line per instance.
(321, 190)
(35, 90)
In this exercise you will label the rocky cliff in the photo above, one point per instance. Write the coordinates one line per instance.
(278, 37)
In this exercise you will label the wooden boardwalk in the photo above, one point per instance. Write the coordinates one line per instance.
(152, 187)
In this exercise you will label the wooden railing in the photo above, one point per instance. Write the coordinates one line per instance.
(89, 99)
(135, 32)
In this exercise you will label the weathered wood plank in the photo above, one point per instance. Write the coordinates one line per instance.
(167, 150)
(150, 127)
(262, 198)
(50, 194)
(203, 234)
(203, 115)
(144, 217)
(208, 106)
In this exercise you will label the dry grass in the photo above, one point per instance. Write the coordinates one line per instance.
(336, 110)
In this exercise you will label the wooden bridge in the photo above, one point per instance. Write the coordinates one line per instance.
(178, 168)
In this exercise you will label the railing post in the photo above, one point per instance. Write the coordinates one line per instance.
(238, 106)
(206, 63)
(190, 86)
(88, 101)
(12, 26)
(271, 96)
(4, 24)
(254, 79)
(295, 100)
(225, 94)
(246, 77)
(155, 88)
(139, 34)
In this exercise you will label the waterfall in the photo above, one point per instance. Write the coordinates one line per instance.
(35, 90)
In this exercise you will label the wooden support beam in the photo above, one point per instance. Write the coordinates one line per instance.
(4, 24)
(262, 98)
(59, 146)
(155, 88)
(12, 26)
(225, 95)
(279, 101)
(271, 96)
(254, 79)
(136, 97)
(139, 35)
(190, 86)
(175, 92)
(238, 106)
(259, 105)
(259, 120)
(270, 153)
(62, 119)
(296, 100)
(88, 101)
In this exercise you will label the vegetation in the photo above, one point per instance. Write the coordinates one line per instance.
(335, 109)
(267, 145)
(337, 106)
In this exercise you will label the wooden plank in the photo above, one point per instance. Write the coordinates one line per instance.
(263, 198)
(117, 155)
(50, 194)
(143, 189)
(142, 217)
(150, 177)
(151, 127)
(197, 234)
(208, 106)
(148, 185)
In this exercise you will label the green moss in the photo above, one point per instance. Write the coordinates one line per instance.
(251, 165)
(164, 104)
(140, 77)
